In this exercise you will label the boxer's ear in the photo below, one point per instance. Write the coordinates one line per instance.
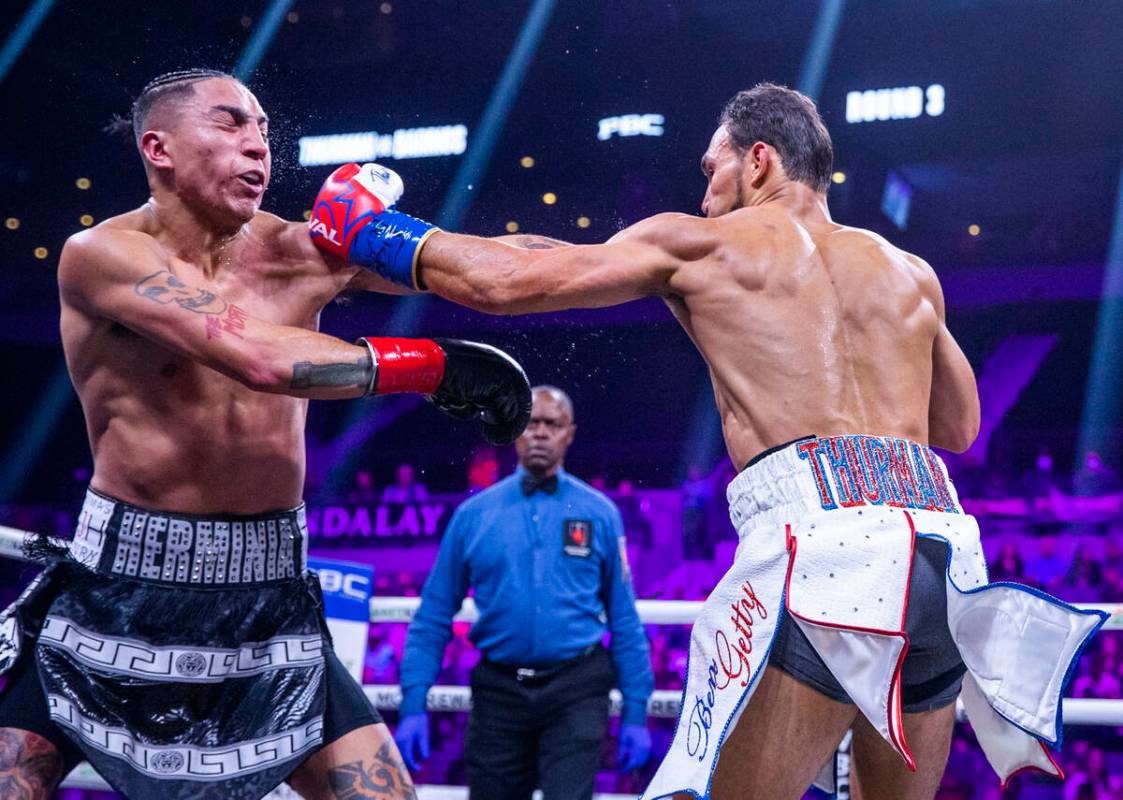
(154, 151)
(758, 163)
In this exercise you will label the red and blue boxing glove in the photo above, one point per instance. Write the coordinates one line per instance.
(354, 218)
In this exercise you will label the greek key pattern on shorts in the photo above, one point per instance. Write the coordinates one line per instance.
(189, 550)
(188, 762)
(179, 664)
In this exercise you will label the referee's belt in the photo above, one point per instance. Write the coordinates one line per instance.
(540, 674)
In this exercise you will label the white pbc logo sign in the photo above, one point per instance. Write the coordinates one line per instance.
(321, 228)
(350, 584)
(630, 125)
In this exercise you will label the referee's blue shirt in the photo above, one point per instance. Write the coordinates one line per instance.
(550, 576)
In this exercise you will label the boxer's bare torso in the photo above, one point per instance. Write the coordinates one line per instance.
(807, 326)
(167, 431)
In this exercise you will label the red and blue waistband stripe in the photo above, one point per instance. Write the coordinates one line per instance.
(876, 470)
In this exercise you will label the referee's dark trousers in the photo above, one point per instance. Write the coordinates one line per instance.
(538, 728)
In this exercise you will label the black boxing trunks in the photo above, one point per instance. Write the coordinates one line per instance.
(185, 656)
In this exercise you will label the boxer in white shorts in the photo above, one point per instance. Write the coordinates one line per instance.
(811, 327)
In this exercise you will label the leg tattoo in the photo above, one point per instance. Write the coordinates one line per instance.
(385, 779)
(29, 766)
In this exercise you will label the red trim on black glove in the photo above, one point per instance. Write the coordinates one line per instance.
(408, 365)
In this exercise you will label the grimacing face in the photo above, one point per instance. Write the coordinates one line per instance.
(217, 142)
(542, 446)
(724, 169)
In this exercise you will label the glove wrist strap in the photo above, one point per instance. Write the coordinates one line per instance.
(405, 365)
(390, 245)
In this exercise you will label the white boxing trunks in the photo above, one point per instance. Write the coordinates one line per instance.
(828, 529)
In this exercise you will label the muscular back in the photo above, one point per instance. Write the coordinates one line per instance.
(810, 328)
(161, 363)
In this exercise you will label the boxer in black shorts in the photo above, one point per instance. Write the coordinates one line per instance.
(180, 643)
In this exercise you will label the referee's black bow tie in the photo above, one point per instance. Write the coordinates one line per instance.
(531, 484)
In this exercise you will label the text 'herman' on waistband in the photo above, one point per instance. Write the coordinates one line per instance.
(132, 542)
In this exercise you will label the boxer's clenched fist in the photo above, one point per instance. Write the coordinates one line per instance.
(354, 218)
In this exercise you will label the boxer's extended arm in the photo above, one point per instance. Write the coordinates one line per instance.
(537, 275)
(355, 218)
(953, 405)
(125, 277)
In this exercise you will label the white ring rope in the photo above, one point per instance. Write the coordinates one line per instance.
(14, 543)
(666, 704)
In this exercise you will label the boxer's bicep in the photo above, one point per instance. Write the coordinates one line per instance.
(582, 276)
(523, 274)
(953, 406)
(120, 277)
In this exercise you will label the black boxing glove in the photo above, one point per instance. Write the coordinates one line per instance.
(466, 380)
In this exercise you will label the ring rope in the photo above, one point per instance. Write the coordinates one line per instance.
(15, 543)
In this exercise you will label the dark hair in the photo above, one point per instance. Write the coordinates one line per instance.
(787, 120)
(163, 87)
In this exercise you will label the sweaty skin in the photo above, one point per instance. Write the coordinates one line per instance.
(190, 330)
(808, 326)
(189, 327)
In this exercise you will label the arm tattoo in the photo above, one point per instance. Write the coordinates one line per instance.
(29, 765)
(539, 242)
(163, 287)
(306, 375)
(384, 779)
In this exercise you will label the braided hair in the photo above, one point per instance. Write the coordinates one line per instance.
(170, 85)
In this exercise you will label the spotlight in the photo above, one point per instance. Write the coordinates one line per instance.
(11, 223)
(385, 8)
(40, 253)
(86, 219)
(527, 162)
(246, 22)
(974, 229)
(82, 183)
(293, 17)
(549, 198)
(583, 222)
(838, 177)
(512, 227)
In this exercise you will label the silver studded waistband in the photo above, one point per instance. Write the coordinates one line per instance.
(193, 550)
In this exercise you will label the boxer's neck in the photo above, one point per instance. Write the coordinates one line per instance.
(803, 201)
(190, 234)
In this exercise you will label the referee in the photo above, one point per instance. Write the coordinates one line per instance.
(544, 553)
